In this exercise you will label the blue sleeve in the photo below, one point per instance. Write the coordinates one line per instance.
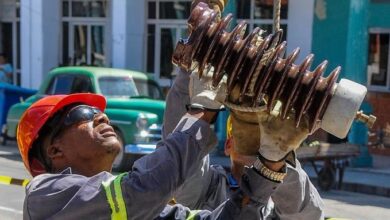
(177, 99)
(247, 203)
(298, 188)
(156, 176)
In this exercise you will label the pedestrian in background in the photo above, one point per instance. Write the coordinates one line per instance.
(5, 69)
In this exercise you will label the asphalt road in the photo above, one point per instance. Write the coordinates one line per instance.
(337, 203)
(11, 196)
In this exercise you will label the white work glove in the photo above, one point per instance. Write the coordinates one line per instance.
(280, 137)
(203, 94)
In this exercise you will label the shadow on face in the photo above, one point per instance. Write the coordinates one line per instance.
(238, 161)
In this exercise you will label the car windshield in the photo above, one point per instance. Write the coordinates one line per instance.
(149, 89)
(116, 86)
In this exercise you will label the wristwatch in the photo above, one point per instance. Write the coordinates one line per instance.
(267, 173)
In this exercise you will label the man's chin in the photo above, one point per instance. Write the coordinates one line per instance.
(113, 147)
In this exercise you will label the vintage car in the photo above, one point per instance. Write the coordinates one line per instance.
(135, 105)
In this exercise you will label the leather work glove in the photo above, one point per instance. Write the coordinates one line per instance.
(203, 94)
(216, 5)
(280, 137)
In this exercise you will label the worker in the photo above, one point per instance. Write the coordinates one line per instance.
(67, 144)
(211, 185)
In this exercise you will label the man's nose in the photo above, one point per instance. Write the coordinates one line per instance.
(100, 118)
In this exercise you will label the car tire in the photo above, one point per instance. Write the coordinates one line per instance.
(122, 160)
(4, 138)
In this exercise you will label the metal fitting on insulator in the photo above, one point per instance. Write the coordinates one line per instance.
(369, 120)
(256, 71)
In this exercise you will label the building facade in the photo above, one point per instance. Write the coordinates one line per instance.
(38, 35)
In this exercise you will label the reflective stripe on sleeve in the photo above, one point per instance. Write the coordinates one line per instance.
(116, 201)
(192, 214)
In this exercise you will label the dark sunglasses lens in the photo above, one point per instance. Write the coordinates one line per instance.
(80, 114)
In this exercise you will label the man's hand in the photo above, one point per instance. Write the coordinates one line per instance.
(279, 137)
(203, 94)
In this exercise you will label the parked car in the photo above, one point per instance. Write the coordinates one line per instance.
(135, 105)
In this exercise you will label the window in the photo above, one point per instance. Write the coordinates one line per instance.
(69, 83)
(84, 32)
(174, 10)
(149, 89)
(84, 8)
(167, 23)
(115, 86)
(259, 13)
(378, 59)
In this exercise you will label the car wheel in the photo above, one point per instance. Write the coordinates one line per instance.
(4, 138)
(121, 162)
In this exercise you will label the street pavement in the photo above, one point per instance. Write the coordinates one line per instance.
(339, 204)
(357, 206)
(11, 196)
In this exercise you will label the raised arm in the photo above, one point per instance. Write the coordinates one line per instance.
(155, 177)
(176, 101)
(298, 188)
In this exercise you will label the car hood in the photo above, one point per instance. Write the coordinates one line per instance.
(146, 105)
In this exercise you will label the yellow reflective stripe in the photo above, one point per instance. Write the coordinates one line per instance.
(117, 204)
(192, 214)
(5, 180)
(119, 197)
(106, 185)
(25, 182)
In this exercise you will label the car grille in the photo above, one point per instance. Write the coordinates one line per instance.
(154, 133)
(151, 135)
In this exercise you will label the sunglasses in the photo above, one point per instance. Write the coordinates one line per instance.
(76, 115)
(80, 113)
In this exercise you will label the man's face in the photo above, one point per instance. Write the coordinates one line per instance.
(89, 146)
(238, 161)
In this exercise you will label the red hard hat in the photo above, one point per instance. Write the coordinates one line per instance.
(35, 117)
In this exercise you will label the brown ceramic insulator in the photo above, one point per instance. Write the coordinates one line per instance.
(256, 66)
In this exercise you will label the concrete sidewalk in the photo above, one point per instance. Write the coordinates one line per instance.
(374, 181)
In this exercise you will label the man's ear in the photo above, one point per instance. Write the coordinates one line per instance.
(228, 146)
(54, 150)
